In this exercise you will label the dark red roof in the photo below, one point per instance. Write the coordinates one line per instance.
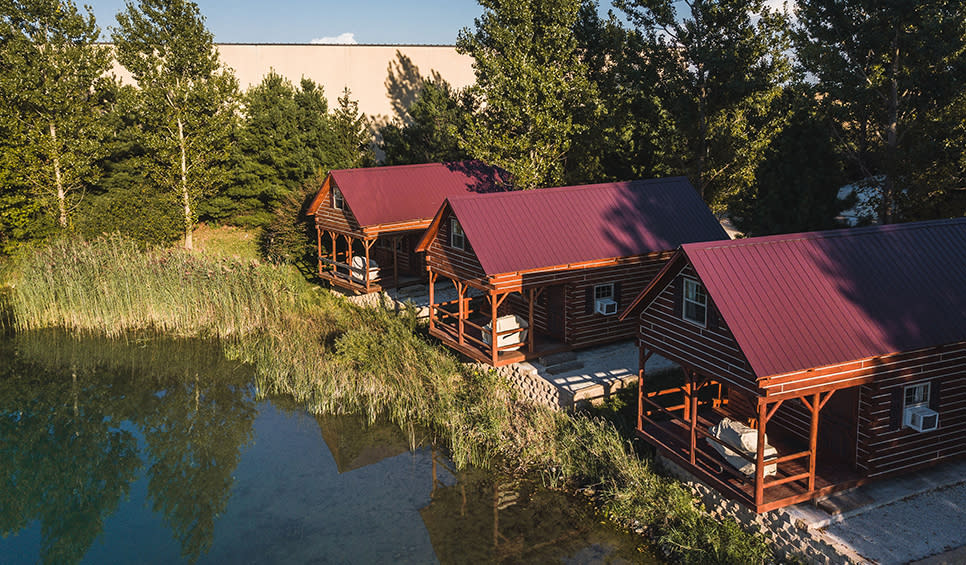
(387, 195)
(800, 301)
(525, 230)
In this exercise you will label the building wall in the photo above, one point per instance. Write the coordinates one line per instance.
(710, 351)
(886, 447)
(329, 218)
(362, 68)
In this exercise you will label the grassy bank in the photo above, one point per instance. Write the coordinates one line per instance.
(335, 358)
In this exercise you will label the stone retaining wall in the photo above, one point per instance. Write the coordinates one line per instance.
(789, 540)
(532, 386)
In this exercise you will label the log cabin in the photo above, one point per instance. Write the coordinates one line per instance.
(811, 362)
(542, 271)
(370, 219)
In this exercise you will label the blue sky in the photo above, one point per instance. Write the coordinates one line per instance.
(302, 21)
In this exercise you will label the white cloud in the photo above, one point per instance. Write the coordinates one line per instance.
(342, 39)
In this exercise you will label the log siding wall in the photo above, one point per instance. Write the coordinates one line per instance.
(884, 448)
(329, 218)
(712, 352)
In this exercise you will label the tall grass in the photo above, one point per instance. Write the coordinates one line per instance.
(336, 358)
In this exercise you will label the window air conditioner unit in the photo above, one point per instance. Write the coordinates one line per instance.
(606, 306)
(921, 419)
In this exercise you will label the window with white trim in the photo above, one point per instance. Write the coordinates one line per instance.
(604, 291)
(337, 201)
(604, 302)
(916, 395)
(695, 302)
(457, 238)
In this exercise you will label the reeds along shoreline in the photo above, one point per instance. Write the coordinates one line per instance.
(336, 358)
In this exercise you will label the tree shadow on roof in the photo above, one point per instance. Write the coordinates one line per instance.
(482, 178)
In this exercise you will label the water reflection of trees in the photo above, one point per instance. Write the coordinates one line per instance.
(70, 411)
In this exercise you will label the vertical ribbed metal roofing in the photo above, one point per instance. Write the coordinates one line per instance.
(799, 301)
(526, 230)
(387, 195)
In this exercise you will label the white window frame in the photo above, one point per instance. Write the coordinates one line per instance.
(457, 237)
(602, 292)
(926, 390)
(338, 201)
(698, 290)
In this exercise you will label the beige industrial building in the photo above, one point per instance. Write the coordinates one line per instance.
(364, 69)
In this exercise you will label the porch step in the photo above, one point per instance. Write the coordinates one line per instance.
(564, 367)
(844, 501)
(557, 358)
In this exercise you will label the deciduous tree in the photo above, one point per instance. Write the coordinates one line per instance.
(188, 101)
(530, 81)
(720, 65)
(51, 78)
(893, 75)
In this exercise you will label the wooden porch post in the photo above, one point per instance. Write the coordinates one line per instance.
(643, 356)
(395, 261)
(494, 346)
(460, 287)
(348, 258)
(367, 243)
(693, 405)
(813, 440)
(760, 455)
(335, 247)
(531, 298)
(319, 232)
(432, 305)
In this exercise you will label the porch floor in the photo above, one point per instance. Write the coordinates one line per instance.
(344, 282)
(672, 438)
(543, 346)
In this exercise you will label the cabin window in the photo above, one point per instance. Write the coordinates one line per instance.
(457, 238)
(604, 302)
(695, 302)
(337, 201)
(916, 395)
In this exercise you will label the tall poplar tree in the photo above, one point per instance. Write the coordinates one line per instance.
(893, 74)
(530, 81)
(721, 64)
(51, 75)
(188, 100)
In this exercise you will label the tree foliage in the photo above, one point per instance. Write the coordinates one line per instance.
(51, 78)
(797, 181)
(437, 118)
(351, 137)
(530, 81)
(187, 101)
(720, 65)
(283, 141)
(893, 75)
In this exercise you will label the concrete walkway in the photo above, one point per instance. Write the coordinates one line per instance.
(899, 520)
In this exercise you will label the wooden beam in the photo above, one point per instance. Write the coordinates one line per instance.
(395, 242)
(460, 312)
(530, 302)
(815, 408)
(494, 347)
(771, 412)
(318, 230)
(640, 389)
(693, 402)
(367, 244)
(432, 305)
(760, 455)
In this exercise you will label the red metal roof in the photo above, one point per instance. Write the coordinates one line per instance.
(387, 195)
(800, 301)
(526, 230)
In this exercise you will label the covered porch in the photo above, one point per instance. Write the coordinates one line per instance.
(781, 468)
(365, 264)
(488, 325)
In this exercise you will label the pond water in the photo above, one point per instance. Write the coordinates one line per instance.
(158, 451)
